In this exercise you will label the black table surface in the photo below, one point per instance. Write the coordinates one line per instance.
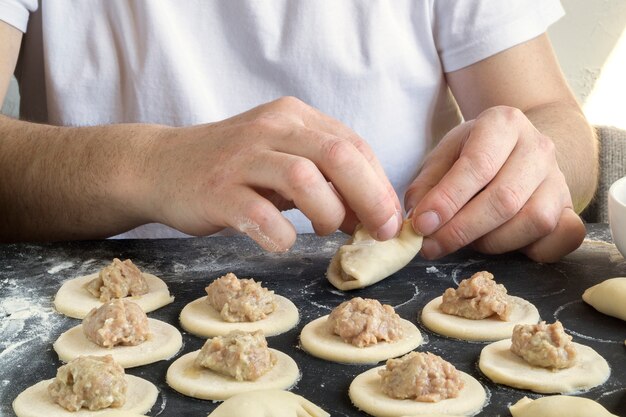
(30, 274)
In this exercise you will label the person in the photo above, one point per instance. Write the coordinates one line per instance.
(169, 118)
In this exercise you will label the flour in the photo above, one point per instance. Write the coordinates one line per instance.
(60, 267)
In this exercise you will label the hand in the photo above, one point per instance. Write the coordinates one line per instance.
(494, 182)
(242, 171)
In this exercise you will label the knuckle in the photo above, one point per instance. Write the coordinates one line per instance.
(339, 153)
(290, 102)
(459, 235)
(302, 174)
(542, 221)
(504, 114)
(257, 212)
(266, 122)
(449, 204)
(480, 166)
(546, 145)
(506, 201)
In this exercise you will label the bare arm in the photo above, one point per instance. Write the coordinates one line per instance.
(508, 177)
(77, 183)
(528, 77)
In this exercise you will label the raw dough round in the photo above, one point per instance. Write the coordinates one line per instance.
(368, 261)
(35, 401)
(165, 340)
(608, 297)
(502, 366)
(485, 330)
(366, 395)
(268, 403)
(199, 318)
(202, 383)
(317, 339)
(75, 301)
(558, 406)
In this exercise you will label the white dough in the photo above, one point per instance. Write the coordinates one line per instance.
(502, 366)
(268, 403)
(205, 384)
(485, 330)
(368, 261)
(199, 318)
(317, 339)
(608, 297)
(35, 401)
(75, 301)
(165, 340)
(558, 406)
(365, 394)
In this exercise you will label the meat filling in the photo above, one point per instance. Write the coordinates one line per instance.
(476, 298)
(363, 322)
(118, 322)
(93, 382)
(423, 377)
(244, 356)
(544, 345)
(117, 280)
(240, 300)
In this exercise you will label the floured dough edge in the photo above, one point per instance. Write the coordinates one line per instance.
(75, 301)
(35, 401)
(199, 318)
(366, 395)
(268, 403)
(608, 297)
(317, 339)
(204, 384)
(485, 330)
(165, 340)
(370, 261)
(558, 406)
(502, 366)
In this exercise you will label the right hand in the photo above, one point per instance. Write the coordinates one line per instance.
(242, 171)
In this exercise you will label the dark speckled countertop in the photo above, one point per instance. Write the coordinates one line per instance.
(30, 274)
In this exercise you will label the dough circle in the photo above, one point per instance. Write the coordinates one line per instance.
(608, 297)
(35, 402)
(366, 395)
(199, 318)
(368, 261)
(558, 406)
(75, 301)
(268, 403)
(485, 330)
(317, 339)
(202, 383)
(165, 340)
(502, 366)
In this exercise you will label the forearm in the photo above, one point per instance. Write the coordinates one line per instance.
(60, 183)
(576, 146)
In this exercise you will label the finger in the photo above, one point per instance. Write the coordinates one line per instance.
(298, 179)
(356, 181)
(538, 218)
(566, 237)
(499, 202)
(316, 120)
(435, 166)
(487, 148)
(255, 216)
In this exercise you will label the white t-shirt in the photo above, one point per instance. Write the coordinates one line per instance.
(377, 65)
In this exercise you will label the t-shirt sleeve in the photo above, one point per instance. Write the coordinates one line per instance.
(16, 12)
(467, 31)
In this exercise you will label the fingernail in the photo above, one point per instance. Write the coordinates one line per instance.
(431, 249)
(409, 213)
(390, 228)
(428, 222)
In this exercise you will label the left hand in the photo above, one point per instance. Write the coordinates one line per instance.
(494, 182)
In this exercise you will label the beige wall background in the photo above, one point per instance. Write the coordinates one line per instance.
(590, 42)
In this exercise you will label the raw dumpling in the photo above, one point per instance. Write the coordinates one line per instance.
(608, 297)
(558, 406)
(363, 261)
(268, 403)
